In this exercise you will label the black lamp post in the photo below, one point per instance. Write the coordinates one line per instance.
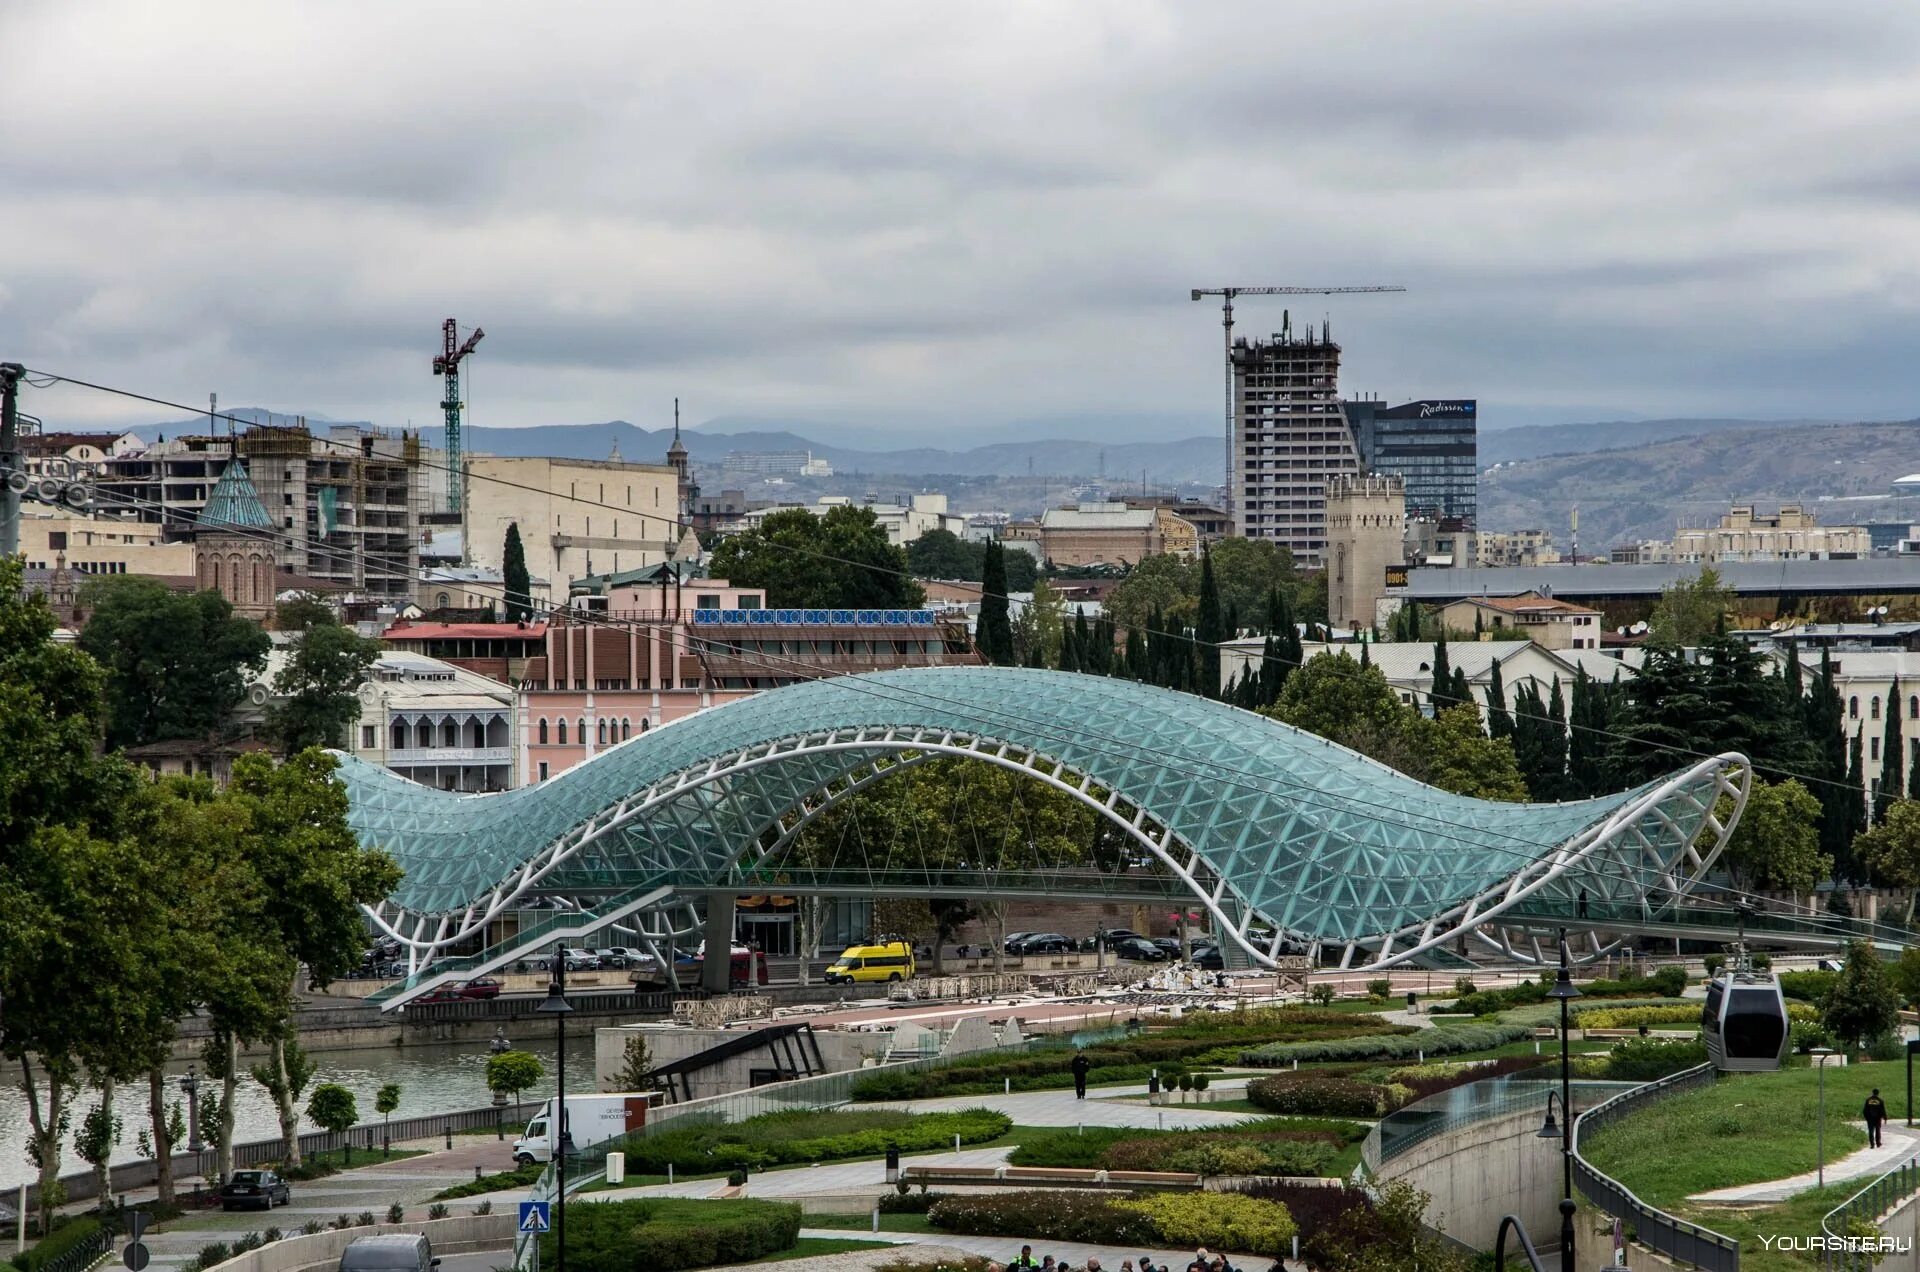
(555, 1005)
(1564, 991)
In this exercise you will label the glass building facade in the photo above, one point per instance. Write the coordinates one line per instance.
(1432, 445)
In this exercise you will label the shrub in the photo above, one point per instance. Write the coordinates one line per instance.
(1449, 1040)
(396, 1213)
(1221, 1220)
(1463, 985)
(668, 1233)
(1321, 994)
(1714, 962)
(209, 1255)
(1668, 982)
(484, 1208)
(270, 1236)
(1808, 987)
(1762, 962)
(1644, 1059)
(737, 1178)
(910, 1203)
(364, 1219)
(1184, 1082)
(949, 1263)
(505, 1181)
(776, 1139)
(1380, 987)
(68, 1235)
(251, 1241)
(1321, 1094)
(1201, 1081)
(1425, 1080)
(1316, 1210)
(1052, 1216)
(1886, 1047)
(1805, 1035)
(311, 1226)
(438, 1210)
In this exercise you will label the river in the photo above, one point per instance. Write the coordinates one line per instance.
(433, 1079)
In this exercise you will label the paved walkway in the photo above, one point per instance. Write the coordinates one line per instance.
(1897, 1143)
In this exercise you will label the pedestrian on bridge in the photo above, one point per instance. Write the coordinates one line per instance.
(1080, 1066)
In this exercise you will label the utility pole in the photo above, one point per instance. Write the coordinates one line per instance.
(1226, 295)
(10, 461)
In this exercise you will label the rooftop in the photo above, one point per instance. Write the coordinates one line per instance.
(234, 502)
(1529, 604)
(1859, 575)
(1100, 516)
(404, 630)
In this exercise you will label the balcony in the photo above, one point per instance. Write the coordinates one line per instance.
(421, 756)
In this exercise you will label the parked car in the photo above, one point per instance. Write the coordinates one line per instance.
(622, 956)
(1040, 943)
(1014, 938)
(260, 1188)
(1135, 950)
(389, 1253)
(1208, 958)
(1169, 945)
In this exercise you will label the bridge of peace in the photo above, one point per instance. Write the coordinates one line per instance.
(1284, 839)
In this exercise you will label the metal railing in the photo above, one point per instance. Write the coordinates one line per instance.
(1447, 1111)
(1866, 1207)
(1651, 1226)
(90, 1249)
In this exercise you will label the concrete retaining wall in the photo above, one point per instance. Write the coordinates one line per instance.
(1484, 1171)
(322, 1250)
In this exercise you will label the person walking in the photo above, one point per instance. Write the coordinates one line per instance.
(1583, 903)
(1080, 1067)
(1875, 1112)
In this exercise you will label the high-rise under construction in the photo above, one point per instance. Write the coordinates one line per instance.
(1289, 438)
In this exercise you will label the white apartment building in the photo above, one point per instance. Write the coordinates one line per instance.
(436, 723)
(576, 516)
(1792, 534)
(903, 522)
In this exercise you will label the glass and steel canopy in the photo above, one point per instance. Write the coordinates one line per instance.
(1266, 826)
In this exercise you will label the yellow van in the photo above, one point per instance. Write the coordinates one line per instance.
(857, 963)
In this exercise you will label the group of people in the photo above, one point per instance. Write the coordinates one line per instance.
(1202, 1261)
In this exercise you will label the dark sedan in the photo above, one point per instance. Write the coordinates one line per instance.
(259, 1188)
(1139, 951)
(1040, 943)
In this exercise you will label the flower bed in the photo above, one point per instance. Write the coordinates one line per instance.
(1271, 1146)
(776, 1139)
(1226, 1221)
(664, 1234)
(1325, 1095)
(1450, 1040)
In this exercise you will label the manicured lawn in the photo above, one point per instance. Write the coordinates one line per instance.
(810, 1247)
(1746, 1128)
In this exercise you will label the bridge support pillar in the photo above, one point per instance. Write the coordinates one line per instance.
(716, 973)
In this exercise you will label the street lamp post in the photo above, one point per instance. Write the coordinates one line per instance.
(1820, 1055)
(556, 1006)
(191, 1085)
(1563, 990)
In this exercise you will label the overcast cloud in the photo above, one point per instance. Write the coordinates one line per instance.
(940, 219)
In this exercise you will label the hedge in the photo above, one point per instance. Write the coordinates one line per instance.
(1425, 1080)
(776, 1139)
(1220, 1220)
(1809, 986)
(1645, 1059)
(666, 1233)
(1668, 982)
(1678, 1014)
(505, 1181)
(1270, 1146)
(1325, 1094)
(56, 1243)
(1210, 1038)
(1442, 1041)
(1317, 1211)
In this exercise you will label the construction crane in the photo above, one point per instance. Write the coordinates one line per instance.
(448, 364)
(1226, 295)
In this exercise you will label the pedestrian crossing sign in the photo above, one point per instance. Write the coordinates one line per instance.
(534, 1216)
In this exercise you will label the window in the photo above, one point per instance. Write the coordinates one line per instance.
(366, 737)
(707, 600)
(57, 540)
(626, 729)
(543, 730)
(1873, 707)
(563, 731)
(602, 730)
(543, 772)
(582, 722)
(750, 601)
(1853, 708)
(1875, 748)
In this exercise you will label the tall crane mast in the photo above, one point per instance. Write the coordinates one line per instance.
(1226, 295)
(447, 364)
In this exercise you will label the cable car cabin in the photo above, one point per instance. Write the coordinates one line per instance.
(1745, 1023)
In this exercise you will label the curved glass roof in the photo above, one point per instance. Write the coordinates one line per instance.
(1316, 838)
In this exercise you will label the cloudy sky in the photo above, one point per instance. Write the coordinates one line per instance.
(947, 221)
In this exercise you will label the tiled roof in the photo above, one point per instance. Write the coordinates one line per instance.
(234, 502)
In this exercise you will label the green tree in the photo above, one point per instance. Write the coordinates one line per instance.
(636, 1064)
(1248, 571)
(942, 554)
(841, 560)
(1853, 869)
(319, 686)
(994, 631)
(332, 1108)
(516, 583)
(511, 1072)
(1776, 845)
(177, 663)
(1041, 628)
(386, 1100)
(1164, 585)
(1891, 850)
(94, 1142)
(1443, 695)
(1893, 783)
(1211, 628)
(300, 611)
(1458, 756)
(1499, 721)
(1390, 1236)
(1691, 609)
(314, 874)
(1863, 1003)
(1906, 976)
(285, 1075)
(1339, 699)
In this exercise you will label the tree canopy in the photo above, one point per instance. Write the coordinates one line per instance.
(841, 560)
(1776, 844)
(942, 554)
(516, 583)
(176, 662)
(318, 686)
(1691, 609)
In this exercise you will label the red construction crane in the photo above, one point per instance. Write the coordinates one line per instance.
(1226, 295)
(448, 364)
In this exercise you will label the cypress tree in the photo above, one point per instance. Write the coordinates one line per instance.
(1581, 737)
(1555, 739)
(1855, 812)
(1212, 628)
(1072, 638)
(1499, 723)
(513, 573)
(1287, 648)
(1137, 668)
(1462, 691)
(1365, 659)
(1893, 783)
(994, 630)
(1442, 673)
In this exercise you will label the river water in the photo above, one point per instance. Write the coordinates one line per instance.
(434, 1079)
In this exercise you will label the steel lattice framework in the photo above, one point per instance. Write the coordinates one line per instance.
(1265, 825)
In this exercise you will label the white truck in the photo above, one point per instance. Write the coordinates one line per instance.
(591, 1119)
